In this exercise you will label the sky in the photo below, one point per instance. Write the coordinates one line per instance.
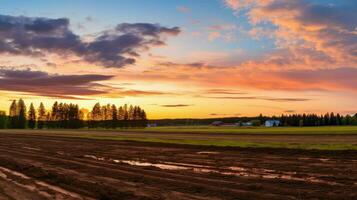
(182, 58)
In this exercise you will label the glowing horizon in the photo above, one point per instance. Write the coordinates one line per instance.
(182, 59)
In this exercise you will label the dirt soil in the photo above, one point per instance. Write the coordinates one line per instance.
(51, 167)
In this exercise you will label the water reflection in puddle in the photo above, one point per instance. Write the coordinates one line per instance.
(94, 157)
(230, 171)
(32, 148)
(207, 152)
(146, 164)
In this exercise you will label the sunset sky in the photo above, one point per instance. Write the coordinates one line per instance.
(182, 58)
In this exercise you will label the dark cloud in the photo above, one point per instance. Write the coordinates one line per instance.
(173, 64)
(51, 85)
(289, 111)
(175, 105)
(112, 48)
(44, 25)
(284, 99)
(192, 65)
(63, 86)
(51, 64)
(343, 15)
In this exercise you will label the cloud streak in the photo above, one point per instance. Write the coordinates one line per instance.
(63, 86)
(261, 98)
(223, 91)
(52, 85)
(175, 105)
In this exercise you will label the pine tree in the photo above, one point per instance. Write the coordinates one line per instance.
(96, 113)
(143, 115)
(338, 119)
(126, 114)
(143, 120)
(32, 117)
(13, 109)
(109, 113)
(3, 120)
(54, 113)
(121, 113)
(41, 116)
(22, 114)
(13, 115)
(333, 119)
(114, 113)
(131, 112)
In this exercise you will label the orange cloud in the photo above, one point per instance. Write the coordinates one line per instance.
(313, 35)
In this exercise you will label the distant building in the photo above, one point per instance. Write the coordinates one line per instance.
(217, 123)
(229, 124)
(151, 125)
(271, 123)
(247, 124)
(220, 123)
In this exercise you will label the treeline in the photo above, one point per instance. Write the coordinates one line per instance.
(63, 115)
(328, 119)
(109, 116)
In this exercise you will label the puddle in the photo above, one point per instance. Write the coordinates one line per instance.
(241, 169)
(304, 158)
(95, 157)
(320, 159)
(237, 171)
(147, 164)
(231, 171)
(324, 159)
(207, 152)
(63, 153)
(187, 165)
(32, 148)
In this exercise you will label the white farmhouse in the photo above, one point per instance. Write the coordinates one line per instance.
(271, 123)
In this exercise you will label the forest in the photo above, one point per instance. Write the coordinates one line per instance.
(63, 115)
(328, 119)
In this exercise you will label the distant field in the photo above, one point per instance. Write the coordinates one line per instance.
(321, 138)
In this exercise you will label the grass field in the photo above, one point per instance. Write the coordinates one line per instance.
(253, 130)
(320, 138)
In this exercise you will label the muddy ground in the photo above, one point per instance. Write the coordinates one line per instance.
(52, 167)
